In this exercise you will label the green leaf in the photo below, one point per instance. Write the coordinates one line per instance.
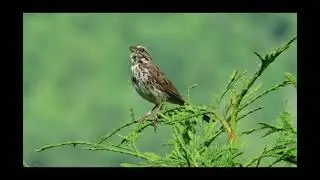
(291, 78)
(191, 135)
(152, 155)
(259, 56)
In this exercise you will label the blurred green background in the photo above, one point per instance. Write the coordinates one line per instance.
(76, 74)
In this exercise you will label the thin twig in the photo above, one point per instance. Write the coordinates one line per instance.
(96, 146)
(250, 112)
(207, 143)
(104, 138)
(231, 83)
(264, 93)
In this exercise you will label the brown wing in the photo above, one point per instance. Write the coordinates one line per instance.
(165, 85)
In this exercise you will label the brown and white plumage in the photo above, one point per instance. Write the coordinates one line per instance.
(150, 82)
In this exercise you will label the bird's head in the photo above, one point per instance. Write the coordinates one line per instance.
(139, 54)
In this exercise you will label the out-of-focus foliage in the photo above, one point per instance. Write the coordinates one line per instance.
(77, 73)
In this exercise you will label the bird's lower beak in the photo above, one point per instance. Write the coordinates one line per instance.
(132, 48)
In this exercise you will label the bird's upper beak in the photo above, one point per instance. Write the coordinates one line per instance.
(132, 48)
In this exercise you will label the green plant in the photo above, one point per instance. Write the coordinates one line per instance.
(191, 142)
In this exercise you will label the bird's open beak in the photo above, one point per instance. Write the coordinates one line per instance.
(132, 48)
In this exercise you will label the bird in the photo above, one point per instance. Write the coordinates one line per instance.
(151, 83)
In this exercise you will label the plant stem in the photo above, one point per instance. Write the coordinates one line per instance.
(96, 146)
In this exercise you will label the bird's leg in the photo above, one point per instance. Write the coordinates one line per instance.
(155, 120)
(147, 115)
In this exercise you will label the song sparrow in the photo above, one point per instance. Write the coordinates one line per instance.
(150, 82)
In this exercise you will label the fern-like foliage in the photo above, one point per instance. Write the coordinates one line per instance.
(285, 146)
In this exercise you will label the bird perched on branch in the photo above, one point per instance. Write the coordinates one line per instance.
(151, 83)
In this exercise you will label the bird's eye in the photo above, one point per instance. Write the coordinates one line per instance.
(142, 50)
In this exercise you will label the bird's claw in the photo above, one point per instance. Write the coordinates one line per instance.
(154, 123)
(143, 118)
